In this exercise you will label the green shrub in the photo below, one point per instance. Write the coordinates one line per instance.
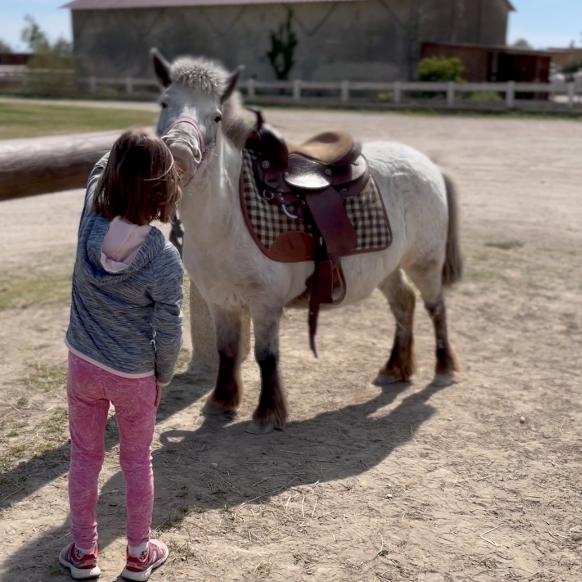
(571, 67)
(440, 69)
(489, 96)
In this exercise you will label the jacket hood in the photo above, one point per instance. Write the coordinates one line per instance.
(89, 254)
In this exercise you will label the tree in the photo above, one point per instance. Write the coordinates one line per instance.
(283, 43)
(5, 47)
(522, 43)
(39, 43)
(34, 36)
(51, 63)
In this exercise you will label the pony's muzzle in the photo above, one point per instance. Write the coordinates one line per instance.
(185, 147)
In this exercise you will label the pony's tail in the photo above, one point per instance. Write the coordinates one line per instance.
(453, 267)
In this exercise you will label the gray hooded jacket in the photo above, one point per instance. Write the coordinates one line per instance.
(130, 321)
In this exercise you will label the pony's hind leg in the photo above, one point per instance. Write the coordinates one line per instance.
(271, 413)
(401, 298)
(227, 394)
(429, 283)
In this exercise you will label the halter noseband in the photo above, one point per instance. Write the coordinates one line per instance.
(201, 144)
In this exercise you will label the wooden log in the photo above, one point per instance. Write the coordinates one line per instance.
(50, 164)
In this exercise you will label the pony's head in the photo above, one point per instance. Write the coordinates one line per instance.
(198, 102)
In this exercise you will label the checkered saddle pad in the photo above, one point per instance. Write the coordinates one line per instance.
(267, 220)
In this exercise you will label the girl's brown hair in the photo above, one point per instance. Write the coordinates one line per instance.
(140, 181)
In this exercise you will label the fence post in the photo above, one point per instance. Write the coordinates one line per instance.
(451, 93)
(128, 85)
(297, 90)
(345, 91)
(571, 95)
(92, 84)
(397, 92)
(251, 90)
(510, 95)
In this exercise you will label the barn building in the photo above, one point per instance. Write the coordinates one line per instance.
(358, 40)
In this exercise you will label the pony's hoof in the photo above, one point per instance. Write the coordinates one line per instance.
(262, 427)
(441, 380)
(385, 380)
(213, 409)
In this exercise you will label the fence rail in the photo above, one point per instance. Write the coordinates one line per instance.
(510, 95)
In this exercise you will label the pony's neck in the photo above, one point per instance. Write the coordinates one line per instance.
(211, 198)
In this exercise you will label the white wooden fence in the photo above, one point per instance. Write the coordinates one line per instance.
(557, 96)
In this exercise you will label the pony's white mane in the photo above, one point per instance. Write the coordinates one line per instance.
(208, 77)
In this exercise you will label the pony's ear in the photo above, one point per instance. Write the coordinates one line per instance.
(161, 68)
(231, 83)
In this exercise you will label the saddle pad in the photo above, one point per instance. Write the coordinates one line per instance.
(268, 224)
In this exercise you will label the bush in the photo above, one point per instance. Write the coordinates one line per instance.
(571, 67)
(483, 96)
(441, 69)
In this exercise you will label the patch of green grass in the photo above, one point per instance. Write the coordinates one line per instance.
(505, 245)
(488, 563)
(54, 569)
(174, 519)
(55, 424)
(47, 377)
(22, 401)
(20, 289)
(184, 550)
(18, 120)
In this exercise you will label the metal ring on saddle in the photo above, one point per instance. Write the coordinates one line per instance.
(287, 213)
(268, 195)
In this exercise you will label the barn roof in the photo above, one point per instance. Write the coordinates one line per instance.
(127, 4)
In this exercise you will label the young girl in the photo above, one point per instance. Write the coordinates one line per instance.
(124, 336)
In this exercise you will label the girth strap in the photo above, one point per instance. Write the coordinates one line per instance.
(334, 237)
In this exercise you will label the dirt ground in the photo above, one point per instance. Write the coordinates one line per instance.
(478, 482)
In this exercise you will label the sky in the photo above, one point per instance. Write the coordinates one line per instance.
(543, 23)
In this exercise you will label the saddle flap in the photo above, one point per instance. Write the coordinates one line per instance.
(330, 218)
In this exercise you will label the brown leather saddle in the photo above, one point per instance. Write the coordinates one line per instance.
(311, 182)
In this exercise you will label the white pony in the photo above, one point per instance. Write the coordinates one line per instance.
(201, 122)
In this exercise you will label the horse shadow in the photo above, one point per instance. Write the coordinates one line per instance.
(217, 465)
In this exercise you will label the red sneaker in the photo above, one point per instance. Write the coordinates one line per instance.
(140, 568)
(82, 566)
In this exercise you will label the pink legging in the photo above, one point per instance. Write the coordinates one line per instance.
(90, 390)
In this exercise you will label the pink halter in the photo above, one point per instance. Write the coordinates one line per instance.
(201, 143)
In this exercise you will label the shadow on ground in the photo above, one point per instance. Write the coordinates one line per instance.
(217, 464)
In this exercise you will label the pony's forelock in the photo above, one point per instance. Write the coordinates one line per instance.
(208, 77)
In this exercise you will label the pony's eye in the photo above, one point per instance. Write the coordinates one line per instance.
(163, 104)
(218, 118)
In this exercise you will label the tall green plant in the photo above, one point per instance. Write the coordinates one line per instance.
(440, 69)
(283, 43)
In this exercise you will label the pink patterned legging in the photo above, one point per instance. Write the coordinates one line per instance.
(90, 389)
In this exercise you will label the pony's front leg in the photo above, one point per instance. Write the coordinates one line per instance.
(271, 413)
(227, 395)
